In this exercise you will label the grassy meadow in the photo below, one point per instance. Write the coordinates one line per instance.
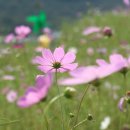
(100, 102)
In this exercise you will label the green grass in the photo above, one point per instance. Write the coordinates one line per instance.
(99, 102)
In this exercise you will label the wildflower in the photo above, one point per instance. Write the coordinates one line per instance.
(9, 38)
(56, 62)
(105, 123)
(8, 77)
(37, 93)
(11, 96)
(91, 30)
(107, 31)
(126, 2)
(22, 31)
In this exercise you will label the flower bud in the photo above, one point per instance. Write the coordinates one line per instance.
(107, 31)
(71, 115)
(69, 92)
(90, 117)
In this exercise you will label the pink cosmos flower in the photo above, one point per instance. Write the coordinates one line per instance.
(89, 74)
(80, 75)
(11, 96)
(91, 30)
(9, 38)
(35, 94)
(18, 46)
(117, 62)
(57, 61)
(22, 31)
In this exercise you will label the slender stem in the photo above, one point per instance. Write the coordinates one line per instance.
(52, 101)
(125, 82)
(60, 102)
(80, 123)
(9, 123)
(80, 103)
(45, 117)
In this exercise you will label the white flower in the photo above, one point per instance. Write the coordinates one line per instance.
(105, 123)
(73, 49)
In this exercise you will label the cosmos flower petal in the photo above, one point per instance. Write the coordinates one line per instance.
(69, 58)
(70, 67)
(45, 69)
(101, 62)
(47, 54)
(59, 54)
(40, 60)
(72, 81)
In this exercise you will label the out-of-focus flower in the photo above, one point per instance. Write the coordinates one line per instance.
(8, 77)
(56, 62)
(37, 93)
(11, 96)
(122, 104)
(22, 31)
(80, 75)
(18, 46)
(105, 123)
(102, 51)
(117, 63)
(107, 31)
(39, 49)
(90, 51)
(44, 41)
(91, 30)
(126, 2)
(124, 101)
(89, 74)
(73, 50)
(9, 38)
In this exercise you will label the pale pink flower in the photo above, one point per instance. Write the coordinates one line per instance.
(117, 63)
(89, 74)
(22, 31)
(57, 61)
(39, 49)
(80, 75)
(126, 2)
(11, 96)
(8, 77)
(9, 38)
(122, 104)
(37, 93)
(90, 51)
(91, 30)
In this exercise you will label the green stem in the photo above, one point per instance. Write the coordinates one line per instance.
(45, 118)
(9, 123)
(80, 123)
(80, 103)
(60, 102)
(52, 101)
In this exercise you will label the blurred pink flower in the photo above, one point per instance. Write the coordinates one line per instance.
(22, 31)
(8, 77)
(90, 51)
(89, 74)
(122, 104)
(37, 93)
(126, 2)
(117, 62)
(91, 29)
(11, 96)
(80, 75)
(107, 31)
(39, 49)
(9, 38)
(58, 61)
(18, 46)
